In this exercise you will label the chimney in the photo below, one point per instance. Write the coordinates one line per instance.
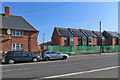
(7, 11)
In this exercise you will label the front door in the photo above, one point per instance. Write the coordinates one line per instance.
(84, 41)
(71, 41)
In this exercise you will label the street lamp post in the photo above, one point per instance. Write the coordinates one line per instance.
(43, 37)
(100, 39)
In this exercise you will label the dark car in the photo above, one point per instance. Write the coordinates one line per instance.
(20, 56)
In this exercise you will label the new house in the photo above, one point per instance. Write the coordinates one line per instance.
(79, 37)
(100, 38)
(91, 37)
(62, 37)
(17, 33)
(111, 37)
(73, 37)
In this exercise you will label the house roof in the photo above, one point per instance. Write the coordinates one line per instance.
(15, 22)
(64, 32)
(76, 32)
(98, 33)
(119, 34)
(112, 34)
(88, 33)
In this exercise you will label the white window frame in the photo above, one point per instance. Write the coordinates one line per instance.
(19, 32)
(90, 38)
(14, 49)
(89, 43)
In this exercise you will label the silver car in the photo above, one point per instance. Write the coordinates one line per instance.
(48, 55)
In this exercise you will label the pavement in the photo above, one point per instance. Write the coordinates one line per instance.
(76, 67)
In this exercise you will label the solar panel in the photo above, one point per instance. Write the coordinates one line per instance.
(98, 33)
(113, 34)
(78, 33)
(65, 33)
(118, 34)
(89, 33)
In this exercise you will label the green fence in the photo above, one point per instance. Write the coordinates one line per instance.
(84, 49)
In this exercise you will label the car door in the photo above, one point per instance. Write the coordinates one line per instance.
(58, 55)
(53, 55)
(27, 56)
(17, 56)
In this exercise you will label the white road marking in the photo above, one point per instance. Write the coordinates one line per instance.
(15, 69)
(76, 73)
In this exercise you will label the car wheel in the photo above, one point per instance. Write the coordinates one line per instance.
(64, 57)
(47, 58)
(11, 61)
(34, 59)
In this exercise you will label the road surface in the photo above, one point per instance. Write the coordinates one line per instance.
(93, 66)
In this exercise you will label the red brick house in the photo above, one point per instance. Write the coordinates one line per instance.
(99, 37)
(111, 37)
(17, 33)
(91, 37)
(73, 37)
(62, 37)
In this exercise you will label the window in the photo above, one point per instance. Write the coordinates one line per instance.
(17, 53)
(11, 53)
(57, 52)
(25, 53)
(52, 52)
(90, 39)
(103, 40)
(17, 33)
(48, 53)
(65, 39)
(78, 39)
(93, 39)
(17, 47)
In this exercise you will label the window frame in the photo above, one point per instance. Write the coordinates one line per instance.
(17, 33)
(14, 49)
(65, 39)
(79, 39)
(90, 39)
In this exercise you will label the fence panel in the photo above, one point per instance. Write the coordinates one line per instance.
(87, 49)
(84, 49)
(108, 49)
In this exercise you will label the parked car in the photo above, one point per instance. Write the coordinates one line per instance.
(49, 55)
(20, 56)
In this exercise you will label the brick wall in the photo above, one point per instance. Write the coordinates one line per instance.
(7, 43)
(114, 41)
(59, 40)
(94, 42)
